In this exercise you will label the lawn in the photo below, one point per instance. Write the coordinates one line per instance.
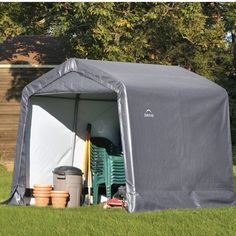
(94, 220)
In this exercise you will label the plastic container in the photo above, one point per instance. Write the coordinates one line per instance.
(69, 179)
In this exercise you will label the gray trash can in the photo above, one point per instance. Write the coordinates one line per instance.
(69, 178)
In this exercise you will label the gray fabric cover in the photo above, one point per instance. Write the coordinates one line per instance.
(174, 125)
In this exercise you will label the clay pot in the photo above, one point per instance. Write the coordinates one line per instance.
(59, 199)
(43, 187)
(41, 199)
(42, 193)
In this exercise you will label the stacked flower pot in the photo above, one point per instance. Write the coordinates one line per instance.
(43, 193)
(59, 199)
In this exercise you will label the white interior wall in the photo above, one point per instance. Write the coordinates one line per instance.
(51, 136)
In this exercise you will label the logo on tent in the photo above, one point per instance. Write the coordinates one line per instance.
(148, 114)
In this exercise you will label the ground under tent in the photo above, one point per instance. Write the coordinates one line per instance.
(174, 128)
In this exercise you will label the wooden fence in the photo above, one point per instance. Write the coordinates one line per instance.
(12, 81)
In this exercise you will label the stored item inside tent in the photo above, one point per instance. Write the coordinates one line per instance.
(107, 166)
(174, 128)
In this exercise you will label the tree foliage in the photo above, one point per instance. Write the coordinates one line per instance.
(8, 26)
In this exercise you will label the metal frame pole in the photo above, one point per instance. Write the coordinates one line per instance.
(75, 125)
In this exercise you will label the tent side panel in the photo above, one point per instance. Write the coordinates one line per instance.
(181, 148)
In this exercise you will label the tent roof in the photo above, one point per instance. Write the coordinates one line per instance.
(114, 75)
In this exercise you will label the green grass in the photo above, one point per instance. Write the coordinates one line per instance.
(5, 183)
(93, 220)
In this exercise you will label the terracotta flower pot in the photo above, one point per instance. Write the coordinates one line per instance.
(41, 199)
(59, 199)
(42, 193)
(43, 187)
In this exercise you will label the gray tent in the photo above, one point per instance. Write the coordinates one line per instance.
(174, 127)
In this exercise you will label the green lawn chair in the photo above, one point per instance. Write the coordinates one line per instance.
(106, 169)
(98, 159)
(115, 173)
